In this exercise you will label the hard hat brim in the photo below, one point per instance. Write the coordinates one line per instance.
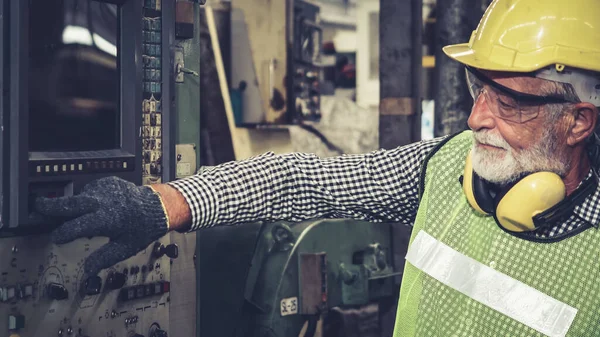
(464, 54)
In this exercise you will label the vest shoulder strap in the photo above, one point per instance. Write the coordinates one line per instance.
(423, 169)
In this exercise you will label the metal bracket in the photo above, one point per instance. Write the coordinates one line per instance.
(186, 160)
(178, 63)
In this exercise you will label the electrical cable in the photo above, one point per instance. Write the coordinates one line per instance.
(321, 136)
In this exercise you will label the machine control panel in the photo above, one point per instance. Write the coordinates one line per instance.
(306, 92)
(43, 290)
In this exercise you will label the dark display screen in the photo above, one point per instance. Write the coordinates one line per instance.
(73, 76)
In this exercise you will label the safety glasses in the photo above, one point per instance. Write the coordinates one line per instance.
(506, 103)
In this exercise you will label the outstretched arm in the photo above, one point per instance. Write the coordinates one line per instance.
(378, 186)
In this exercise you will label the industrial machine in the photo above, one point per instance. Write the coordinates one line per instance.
(275, 67)
(274, 279)
(86, 94)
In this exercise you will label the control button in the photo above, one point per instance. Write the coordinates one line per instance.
(47, 168)
(39, 169)
(28, 290)
(55, 168)
(64, 168)
(157, 289)
(24, 291)
(8, 293)
(16, 322)
(92, 285)
(73, 167)
(127, 294)
(140, 291)
(115, 280)
(103, 164)
(166, 286)
(124, 164)
(80, 167)
(56, 291)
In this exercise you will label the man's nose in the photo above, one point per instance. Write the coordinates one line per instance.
(481, 117)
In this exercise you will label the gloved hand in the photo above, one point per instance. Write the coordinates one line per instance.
(131, 216)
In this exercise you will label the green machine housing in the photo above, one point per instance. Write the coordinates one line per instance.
(273, 279)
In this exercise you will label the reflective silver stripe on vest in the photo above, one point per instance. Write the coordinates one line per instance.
(494, 289)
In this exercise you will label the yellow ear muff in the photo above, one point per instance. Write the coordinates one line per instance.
(516, 209)
(468, 186)
(532, 195)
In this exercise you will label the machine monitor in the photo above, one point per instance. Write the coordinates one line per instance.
(71, 107)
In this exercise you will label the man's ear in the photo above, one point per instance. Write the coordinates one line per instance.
(583, 123)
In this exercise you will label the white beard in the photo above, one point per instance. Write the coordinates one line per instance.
(506, 165)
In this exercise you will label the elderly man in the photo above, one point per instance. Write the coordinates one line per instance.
(505, 216)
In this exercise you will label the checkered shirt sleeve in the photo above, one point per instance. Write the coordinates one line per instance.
(378, 186)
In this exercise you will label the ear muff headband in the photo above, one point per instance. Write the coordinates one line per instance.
(476, 192)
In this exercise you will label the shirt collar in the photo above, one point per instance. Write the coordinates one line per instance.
(589, 210)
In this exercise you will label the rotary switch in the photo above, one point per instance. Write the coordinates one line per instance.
(56, 291)
(115, 280)
(92, 285)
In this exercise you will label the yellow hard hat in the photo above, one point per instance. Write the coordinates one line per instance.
(528, 35)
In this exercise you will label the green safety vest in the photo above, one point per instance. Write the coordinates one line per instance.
(465, 276)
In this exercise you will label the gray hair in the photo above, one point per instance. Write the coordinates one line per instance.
(554, 111)
(562, 90)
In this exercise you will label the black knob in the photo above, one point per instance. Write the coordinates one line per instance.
(92, 285)
(171, 250)
(115, 280)
(159, 333)
(57, 292)
(157, 251)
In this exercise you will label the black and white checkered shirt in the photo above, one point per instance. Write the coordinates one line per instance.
(378, 186)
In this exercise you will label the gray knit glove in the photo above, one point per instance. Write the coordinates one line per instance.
(131, 216)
